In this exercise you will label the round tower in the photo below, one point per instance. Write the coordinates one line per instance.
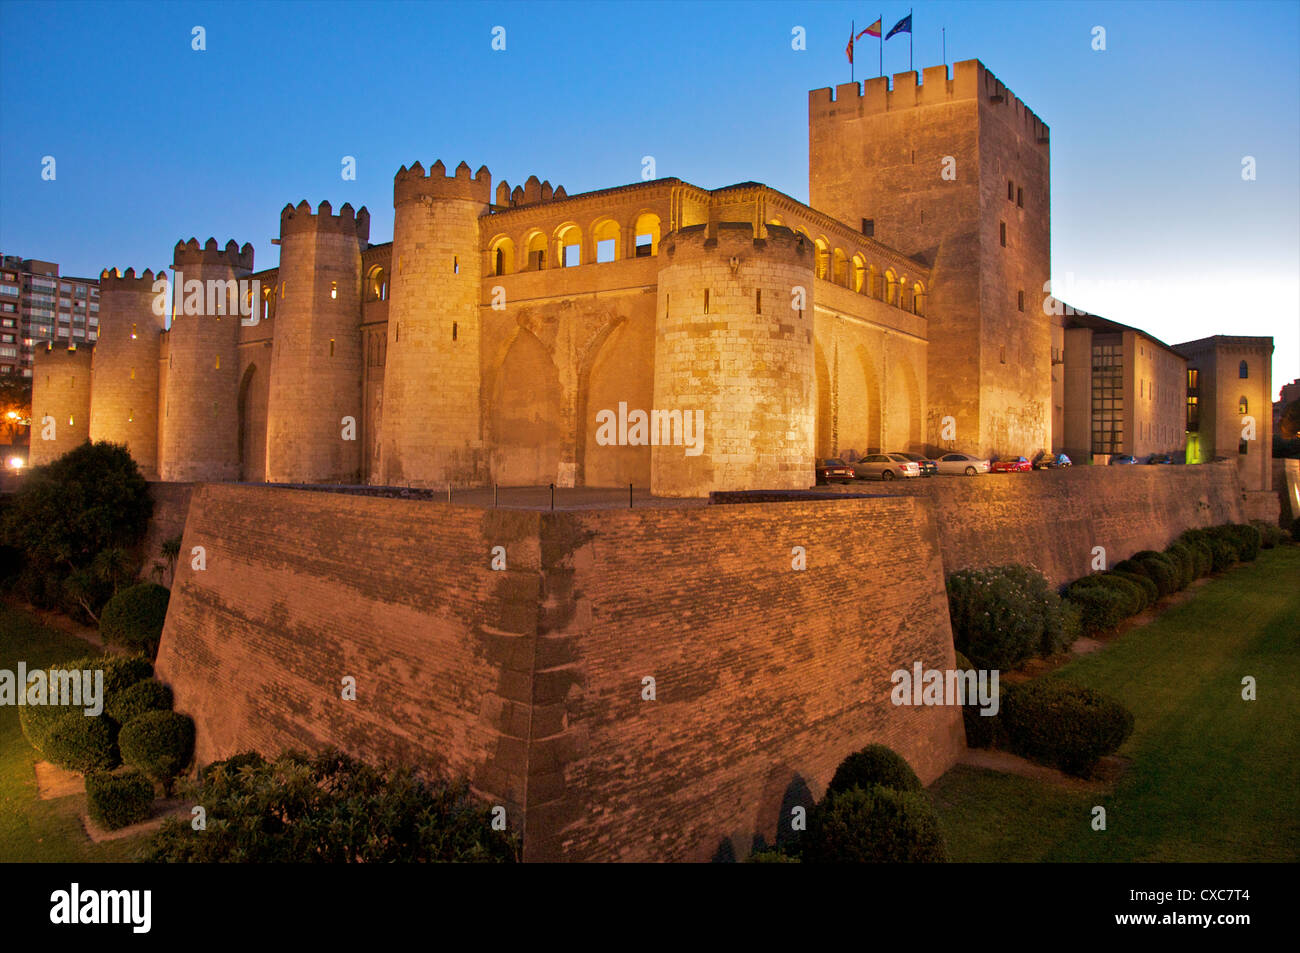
(733, 354)
(314, 409)
(124, 391)
(431, 431)
(200, 426)
(60, 400)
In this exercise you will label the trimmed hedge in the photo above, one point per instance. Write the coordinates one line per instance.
(1149, 591)
(1271, 534)
(134, 617)
(147, 695)
(1101, 607)
(1160, 569)
(876, 825)
(81, 742)
(118, 799)
(159, 743)
(1182, 557)
(874, 764)
(1066, 726)
(1004, 615)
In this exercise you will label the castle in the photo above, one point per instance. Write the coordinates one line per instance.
(905, 308)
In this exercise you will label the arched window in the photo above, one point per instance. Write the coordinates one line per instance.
(502, 259)
(841, 268)
(823, 259)
(378, 284)
(646, 232)
(1243, 371)
(873, 282)
(568, 246)
(536, 251)
(918, 299)
(891, 287)
(605, 235)
(1243, 406)
(859, 273)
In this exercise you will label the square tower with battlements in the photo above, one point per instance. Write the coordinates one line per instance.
(954, 172)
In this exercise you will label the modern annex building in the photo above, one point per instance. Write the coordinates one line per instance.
(659, 334)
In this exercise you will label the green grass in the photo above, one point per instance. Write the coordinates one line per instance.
(32, 829)
(1214, 778)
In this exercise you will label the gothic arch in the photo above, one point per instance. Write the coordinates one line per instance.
(527, 415)
(614, 369)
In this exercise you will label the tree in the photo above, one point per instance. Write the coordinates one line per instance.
(1289, 428)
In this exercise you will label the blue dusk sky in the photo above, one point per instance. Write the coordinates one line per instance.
(1152, 222)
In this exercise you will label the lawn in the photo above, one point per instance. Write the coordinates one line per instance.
(32, 829)
(1213, 778)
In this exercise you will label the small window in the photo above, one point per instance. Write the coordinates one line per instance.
(500, 263)
(1243, 371)
(1241, 446)
(644, 246)
(605, 250)
(758, 301)
(1020, 197)
(1002, 231)
(133, 332)
(572, 255)
(1243, 406)
(133, 373)
(334, 289)
(869, 227)
(1002, 354)
(454, 329)
(455, 264)
(1011, 190)
(218, 362)
(706, 300)
(1020, 300)
(331, 347)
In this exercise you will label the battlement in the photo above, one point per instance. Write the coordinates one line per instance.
(346, 222)
(726, 239)
(968, 80)
(75, 354)
(232, 256)
(114, 279)
(413, 184)
(532, 192)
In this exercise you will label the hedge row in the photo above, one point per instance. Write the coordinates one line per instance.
(1007, 614)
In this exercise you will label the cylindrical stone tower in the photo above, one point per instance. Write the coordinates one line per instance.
(124, 392)
(60, 401)
(314, 410)
(432, 430)
(200, 429)
(734, 351)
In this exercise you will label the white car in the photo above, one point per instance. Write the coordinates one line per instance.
(961, 463)
(886, 466)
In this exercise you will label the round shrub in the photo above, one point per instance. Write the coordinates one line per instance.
(875, 764)
(1101, 607)
(984, 731)
(1204, 557)
(159, 743)
(1271, 534)
(1003, 615)
(1247, 539)
(1148, 591)
(134, 617)
(1181, 555)
(81, 742)
(877, 825)
(1161, 570)
(148, 695)
(1063, 725)
(118, 799)
(120, 671)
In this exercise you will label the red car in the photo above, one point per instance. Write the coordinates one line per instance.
(1011, 465)
(834, 470)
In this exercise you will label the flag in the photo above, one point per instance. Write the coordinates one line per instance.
(848, 50)
(873, 30)
(902, 26)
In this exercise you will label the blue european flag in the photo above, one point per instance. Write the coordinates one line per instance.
(902, 26)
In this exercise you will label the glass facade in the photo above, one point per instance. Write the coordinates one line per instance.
(1107, 395)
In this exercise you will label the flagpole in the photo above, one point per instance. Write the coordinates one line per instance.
(853, 25)
(881, 40)
(945, 47)
(910, 33)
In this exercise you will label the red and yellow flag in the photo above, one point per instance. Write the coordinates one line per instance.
(873, 30)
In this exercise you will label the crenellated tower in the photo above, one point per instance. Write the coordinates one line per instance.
(314, 410)
(200, 425)
(124, 390)
(954, 171)
(431, 431)
(733, 349)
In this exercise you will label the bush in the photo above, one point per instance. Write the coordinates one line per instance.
(118, 799)
(134, 617)
(876, 825)
(81, 742)
(1223, 545)
(1136, 591)
(1204, 557)
(1246, 537)
(332, 809)
(77, 520)
(159, 743)
(1160, 569)
(771, 855)
(147, 695)
(1148, 591)
(1185, 560)
(1004, 615)
(1101, 608)
(1271, 534)
(875, 764)
(1063, 630)
(1063, 725)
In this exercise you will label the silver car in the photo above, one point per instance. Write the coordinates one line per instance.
(961, 463)
(886, 466)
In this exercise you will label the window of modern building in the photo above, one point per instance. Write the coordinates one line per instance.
(1107, 397)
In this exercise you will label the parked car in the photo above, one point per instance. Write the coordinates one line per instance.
(1010, 465)
(1122, 459)
(1160, 458)
(928, 466)
(1051, 461)
(886, 466)
(834, 470)
(961, 463)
